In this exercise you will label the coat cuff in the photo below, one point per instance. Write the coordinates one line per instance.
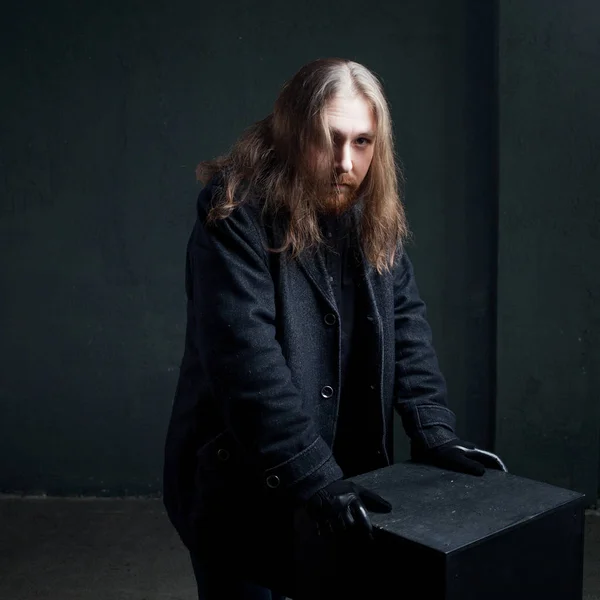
(430, 425)
(436, 436)
(304, 474)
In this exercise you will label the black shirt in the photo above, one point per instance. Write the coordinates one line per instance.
(342, 265)
(342, 274)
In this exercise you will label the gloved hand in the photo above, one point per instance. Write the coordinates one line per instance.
(458, 455)
(342, 506)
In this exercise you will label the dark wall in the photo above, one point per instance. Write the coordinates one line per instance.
(548, 419)
(106, 108)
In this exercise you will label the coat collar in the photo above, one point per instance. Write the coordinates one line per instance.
(312, 263)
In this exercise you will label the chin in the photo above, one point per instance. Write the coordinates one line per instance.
(341, 202)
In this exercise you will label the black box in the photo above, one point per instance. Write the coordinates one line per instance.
(458, 537)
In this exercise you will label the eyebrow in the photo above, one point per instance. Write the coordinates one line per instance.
(335, 131)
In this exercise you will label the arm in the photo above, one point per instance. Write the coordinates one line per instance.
(234, 307)
(420, 386)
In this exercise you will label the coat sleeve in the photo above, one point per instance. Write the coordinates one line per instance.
(235, 313)
(420, 390)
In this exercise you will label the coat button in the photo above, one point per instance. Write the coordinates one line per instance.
(223, 454)
(329, 319)
(273, 481)
(327, 391)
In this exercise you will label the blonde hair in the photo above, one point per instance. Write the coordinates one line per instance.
(271, 158)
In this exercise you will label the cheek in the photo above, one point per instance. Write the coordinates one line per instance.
(364, 162)
(312, 158)
(318, 161)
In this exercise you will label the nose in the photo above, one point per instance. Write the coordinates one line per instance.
(343, 159)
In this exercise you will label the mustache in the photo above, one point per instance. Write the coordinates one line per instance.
(344, 181)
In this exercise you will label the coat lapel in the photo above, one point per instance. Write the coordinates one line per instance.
(375, 293)
(313, 265)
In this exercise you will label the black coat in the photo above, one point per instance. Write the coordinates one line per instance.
(255, 410)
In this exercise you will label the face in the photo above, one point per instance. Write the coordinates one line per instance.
(352, 125)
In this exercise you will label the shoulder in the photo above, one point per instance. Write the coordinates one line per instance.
(403, 271)
(247, 202)
(241, 223)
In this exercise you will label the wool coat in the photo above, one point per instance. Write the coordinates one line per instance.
(254, 416)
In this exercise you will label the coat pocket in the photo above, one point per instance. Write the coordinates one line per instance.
(219, 455)
(223, 467)
(225, 480)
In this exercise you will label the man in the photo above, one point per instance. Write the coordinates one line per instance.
(305, 331)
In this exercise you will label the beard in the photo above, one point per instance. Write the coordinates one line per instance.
(343, 196)
(332, 193)
(342, 200)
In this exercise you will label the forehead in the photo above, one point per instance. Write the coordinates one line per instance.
(350, 115)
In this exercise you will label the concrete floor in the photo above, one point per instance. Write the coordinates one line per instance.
(109, 549)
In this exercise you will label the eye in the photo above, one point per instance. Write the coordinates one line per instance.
(363, 141)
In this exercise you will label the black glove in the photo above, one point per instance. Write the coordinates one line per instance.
(458, 455)
(342, 506)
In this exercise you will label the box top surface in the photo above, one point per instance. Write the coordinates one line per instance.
(446, 511)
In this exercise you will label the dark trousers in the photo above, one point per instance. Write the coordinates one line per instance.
(237, 560)
(218, 582)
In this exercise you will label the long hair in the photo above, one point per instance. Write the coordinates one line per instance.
(272, 158)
